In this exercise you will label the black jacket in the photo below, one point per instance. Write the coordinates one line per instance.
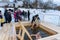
(1, 17)
(5, 13)
(33, 19)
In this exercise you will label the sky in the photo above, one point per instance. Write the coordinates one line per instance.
(57, 2)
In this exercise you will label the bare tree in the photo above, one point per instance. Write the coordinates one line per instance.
(48, 4)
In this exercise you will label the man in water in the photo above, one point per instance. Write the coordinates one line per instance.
(35, 30)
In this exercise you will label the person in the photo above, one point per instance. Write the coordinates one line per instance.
(35, 20)
(35, 32)
(28, 15)
(5, 15)
(15, 12)
(1, 19)
(35, 24)
(24, 14)
(19, 11)
(9, 17)
(19, 14)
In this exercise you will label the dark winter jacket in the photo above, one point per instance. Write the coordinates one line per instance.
(1, 16)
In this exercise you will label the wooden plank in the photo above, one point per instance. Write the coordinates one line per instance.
(6, 31)
(14, 31)
(25, 30)
(1, 36)
(47, 30)
(19, 36)
(6, 38)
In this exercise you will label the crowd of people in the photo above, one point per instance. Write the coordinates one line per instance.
(17, 15)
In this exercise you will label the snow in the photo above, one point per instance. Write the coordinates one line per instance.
(52, 16)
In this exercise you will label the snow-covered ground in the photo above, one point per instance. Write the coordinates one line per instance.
(52, 16)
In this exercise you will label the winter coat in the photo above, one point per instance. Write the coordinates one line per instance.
(0, 16)
(5, 14)
(15, 14)
(9, 17)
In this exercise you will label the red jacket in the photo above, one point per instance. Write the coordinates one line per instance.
(15, 14)
(19, 12)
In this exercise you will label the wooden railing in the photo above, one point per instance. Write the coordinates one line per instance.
(47, 30)
(8, 31)
(23, 30)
